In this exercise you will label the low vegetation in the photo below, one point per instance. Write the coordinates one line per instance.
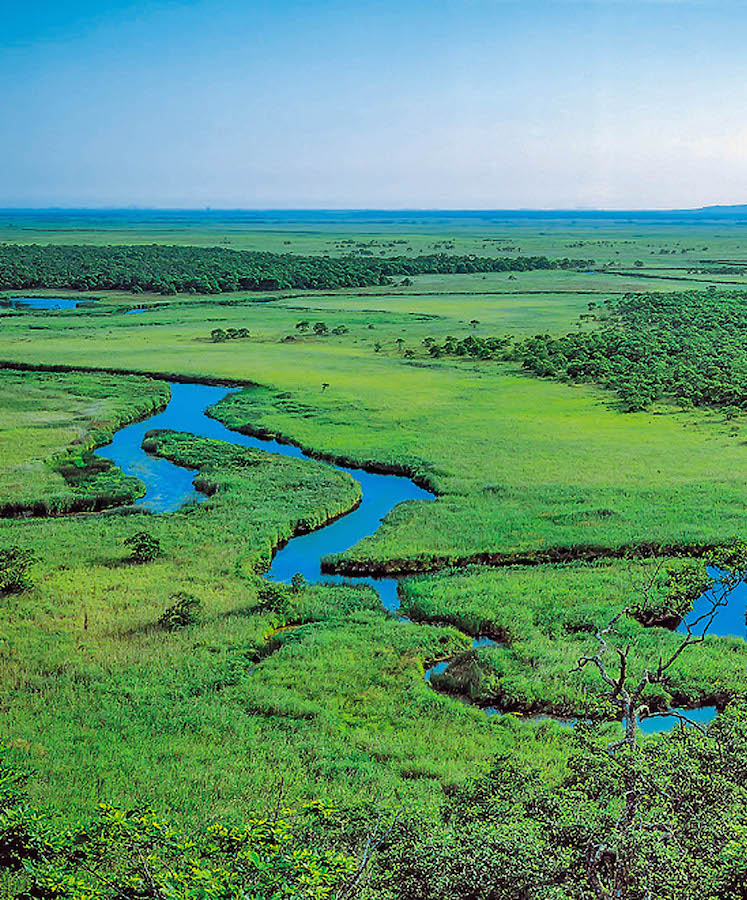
(193, 729)
(516, 834)
(51, 422)
(546, 618)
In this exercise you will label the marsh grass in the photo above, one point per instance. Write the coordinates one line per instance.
(323, 692)
(547, 617)
(50, 424)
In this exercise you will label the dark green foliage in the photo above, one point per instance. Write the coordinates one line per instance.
(20, 835)
(15, 563)
(471, 346)
(218, 335)
(298, 581)
(514, 835)
(184, 611)
(272, 597)
(214, 270)
(687, 347)
(144, 547)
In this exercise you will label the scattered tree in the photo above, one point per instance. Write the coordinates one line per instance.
(184, 611)
(298, 582)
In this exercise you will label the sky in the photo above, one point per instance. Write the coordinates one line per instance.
(383, 104)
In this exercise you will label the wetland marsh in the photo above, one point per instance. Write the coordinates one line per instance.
(358, 439)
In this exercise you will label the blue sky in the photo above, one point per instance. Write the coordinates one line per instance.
(379, 104)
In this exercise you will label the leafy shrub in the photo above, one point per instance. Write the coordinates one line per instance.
(272, 597)
(14, 569)
(143, 547)
(184, 611)
(135, 854)
(298, 582)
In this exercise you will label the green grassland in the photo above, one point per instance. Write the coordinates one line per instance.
(546, 617)
(49, 425)
(317, 687)
(522, 466)
(316, 691)
(622, 240)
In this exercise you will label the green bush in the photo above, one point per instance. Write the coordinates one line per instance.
(184, 611)
(135, 854)
(143, 547)
(14, 569)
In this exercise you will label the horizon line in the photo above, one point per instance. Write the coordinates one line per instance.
(370, 209)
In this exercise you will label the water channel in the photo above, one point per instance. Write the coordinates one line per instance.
(169, 486)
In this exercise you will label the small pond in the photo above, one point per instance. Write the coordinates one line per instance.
(49, 302)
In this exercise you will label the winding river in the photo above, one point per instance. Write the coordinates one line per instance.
(169, 486)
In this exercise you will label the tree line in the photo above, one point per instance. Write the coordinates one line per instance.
(688, 347)
(212, 270)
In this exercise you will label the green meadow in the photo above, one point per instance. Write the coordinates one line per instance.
(191, 685)
(520, 465)
(545, 618)
(50, 425)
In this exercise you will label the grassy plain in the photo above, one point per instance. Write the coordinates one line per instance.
(51, 422)
(546, 618)
(209, 720)
(521, 465)
(319, 691)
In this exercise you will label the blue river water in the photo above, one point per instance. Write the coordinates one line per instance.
(729, 619)
(168, 487)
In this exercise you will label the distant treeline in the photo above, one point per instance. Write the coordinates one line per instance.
(213, 270)
(688, 347)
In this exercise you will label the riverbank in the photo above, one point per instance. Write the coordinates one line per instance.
(51, 426)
